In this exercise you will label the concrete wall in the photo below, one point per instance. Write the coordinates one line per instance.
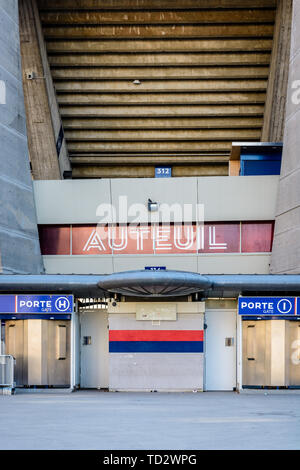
(19, 244)
(286, 249)
(224, 199)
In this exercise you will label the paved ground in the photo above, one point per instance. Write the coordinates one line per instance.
(98, 420)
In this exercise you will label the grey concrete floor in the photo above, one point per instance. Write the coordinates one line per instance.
(150, 421)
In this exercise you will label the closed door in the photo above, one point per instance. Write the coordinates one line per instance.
(220, 350)
(14, 345)
(59, 352)
(255, 357)
(293, 353)
(94, 349)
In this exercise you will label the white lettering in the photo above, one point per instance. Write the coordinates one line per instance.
(162, 236)
(296, 93)
(188, 231)
(295, 357)
(123, 237)
(213, 245)
(94, 241)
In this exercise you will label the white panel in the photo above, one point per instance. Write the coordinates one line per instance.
(234, 264)
(277, 353)
(129, 322)
(131, 307)
(163, 191)
(163, 311)
(218, 194)
(70, 201)
(168, 371)
(35, 352)
(61, 342)
(171, 262)
(78, 264)
(204, 264)
(94, 356)
(78, 200)
(220, 360)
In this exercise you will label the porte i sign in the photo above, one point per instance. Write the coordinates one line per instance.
(269, 306)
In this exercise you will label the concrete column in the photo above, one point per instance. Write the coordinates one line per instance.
(286, 249)
(41, 138)
(19, 242)
(273, 127)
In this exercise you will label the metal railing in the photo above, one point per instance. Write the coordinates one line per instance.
(7, 371)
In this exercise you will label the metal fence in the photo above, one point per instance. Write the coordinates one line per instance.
(7, 371)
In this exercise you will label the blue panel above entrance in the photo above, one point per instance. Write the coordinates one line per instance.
(36, 304)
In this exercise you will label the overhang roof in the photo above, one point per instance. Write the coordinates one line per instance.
(152, 284)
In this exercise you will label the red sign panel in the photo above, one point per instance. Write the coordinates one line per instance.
(212, 237)
(220, 238)
(257, 237)
(55, 239)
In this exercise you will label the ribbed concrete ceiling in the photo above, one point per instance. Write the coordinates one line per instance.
(142, 83)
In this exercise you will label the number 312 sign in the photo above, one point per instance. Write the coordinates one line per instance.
(163, 172)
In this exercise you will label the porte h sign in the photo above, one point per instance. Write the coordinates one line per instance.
(269, 306)
(48, 304)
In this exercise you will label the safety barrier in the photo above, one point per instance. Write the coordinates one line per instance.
(7, 372)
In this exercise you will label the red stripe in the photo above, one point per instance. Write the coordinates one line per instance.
(158, 335)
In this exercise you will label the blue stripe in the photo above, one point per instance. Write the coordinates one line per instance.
(156, 346)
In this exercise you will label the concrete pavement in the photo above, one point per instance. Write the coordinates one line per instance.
(154, 421)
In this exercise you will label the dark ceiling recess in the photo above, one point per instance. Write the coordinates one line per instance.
(139, 85)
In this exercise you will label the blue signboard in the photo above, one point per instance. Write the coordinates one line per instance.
(269, 306)
(36, 304)
(155, 268)
(163, 172)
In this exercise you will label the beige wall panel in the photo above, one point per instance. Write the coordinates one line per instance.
(154, 31)
(238, 198)
(144, 4)
(161, 18)
(161, 59)
(176, 263)
(159, 135)
(234, 264)
(67, 202)
(161, 73)
(157, 45)
(78, 264)
(161, 123)
(204, 264)
(167, 111)
(160, 86)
